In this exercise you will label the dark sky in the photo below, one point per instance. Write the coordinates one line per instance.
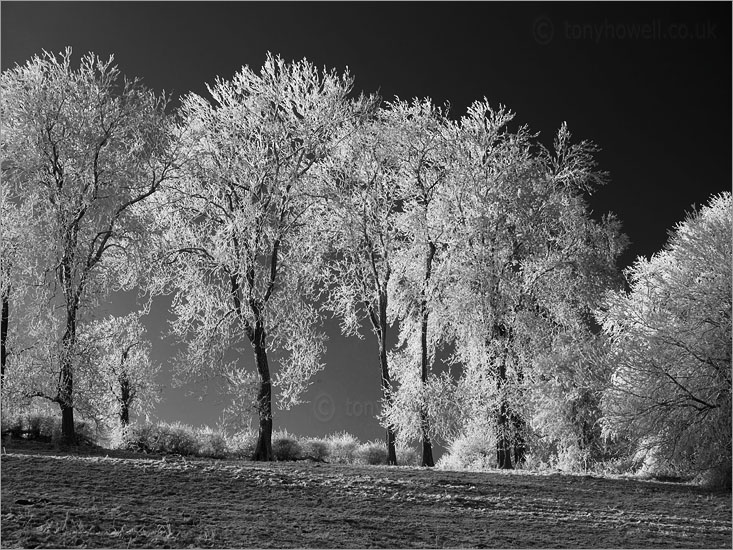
(649, 83)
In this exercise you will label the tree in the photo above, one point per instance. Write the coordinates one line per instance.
(528, 263)
(81, 148)
(235, 247)
(421, 154)
(671, 345)
(359, 221)
(125, 373)
(14, 248)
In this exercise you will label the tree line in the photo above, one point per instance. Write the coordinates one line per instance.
(283, 197)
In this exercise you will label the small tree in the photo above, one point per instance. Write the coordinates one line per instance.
(122, 367)
(671, 345)
(235, 251)
(81, 148)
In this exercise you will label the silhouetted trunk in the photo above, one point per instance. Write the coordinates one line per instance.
(519, 425)
(379, 324)
(263, 451)
(66, 380)
(68, 434)
(384, 369)
(427, 448)
(503, 423)
(125, 397)
(4, 335)
(503, 442)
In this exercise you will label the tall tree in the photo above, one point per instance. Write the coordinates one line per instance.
(359, 222)
(421, 153)
(82, 146)
(671, 346)
(528, 262)
(236, 252)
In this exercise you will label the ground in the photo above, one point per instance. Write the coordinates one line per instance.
(53, 498)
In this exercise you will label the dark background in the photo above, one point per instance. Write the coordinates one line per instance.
(649, 83)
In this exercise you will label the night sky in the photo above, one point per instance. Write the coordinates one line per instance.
(649, 83)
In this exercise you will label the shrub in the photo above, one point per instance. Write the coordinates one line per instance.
(571, 458)
(408, 456)
(242, 444)
(341, 447)
(473, 450)
(44, 426)
(141, 438)
(316, 449)
(179, 439)
(173, 438)
(211, 443)
(371, 452)
(534, 463)
(285, 447)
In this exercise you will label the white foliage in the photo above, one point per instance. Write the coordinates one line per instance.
(671, 343)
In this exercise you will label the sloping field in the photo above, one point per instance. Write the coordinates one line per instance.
(53, 499)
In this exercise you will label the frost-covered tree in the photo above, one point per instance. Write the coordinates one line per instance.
(236, 250)
(122, 368)
(528, 263)
(15, 248)
(359, 222)
(671, 345)
(82, 147)
(422, 153)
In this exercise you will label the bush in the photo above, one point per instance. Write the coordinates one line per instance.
(285, 447)
(341, 448)
(173, 438)
(44, 426)
(242, 445)
(141, 438)
(316, 449)
(371, 452)
(474, 450)
(408, 456)
(211, 443)
(179, 439)
(571, 458)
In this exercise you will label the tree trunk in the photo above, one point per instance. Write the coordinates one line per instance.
(263, 451)
(518, 424)
(427, 448)
(384, 368)
(65, 395)
(125, 398)
(503, 442)
(68, 434)
(66, 382)
(503, 423)
(4, 336)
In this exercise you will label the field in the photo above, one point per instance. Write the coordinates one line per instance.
(119, 500)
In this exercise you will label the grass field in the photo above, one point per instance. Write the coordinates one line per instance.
(86, 499)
